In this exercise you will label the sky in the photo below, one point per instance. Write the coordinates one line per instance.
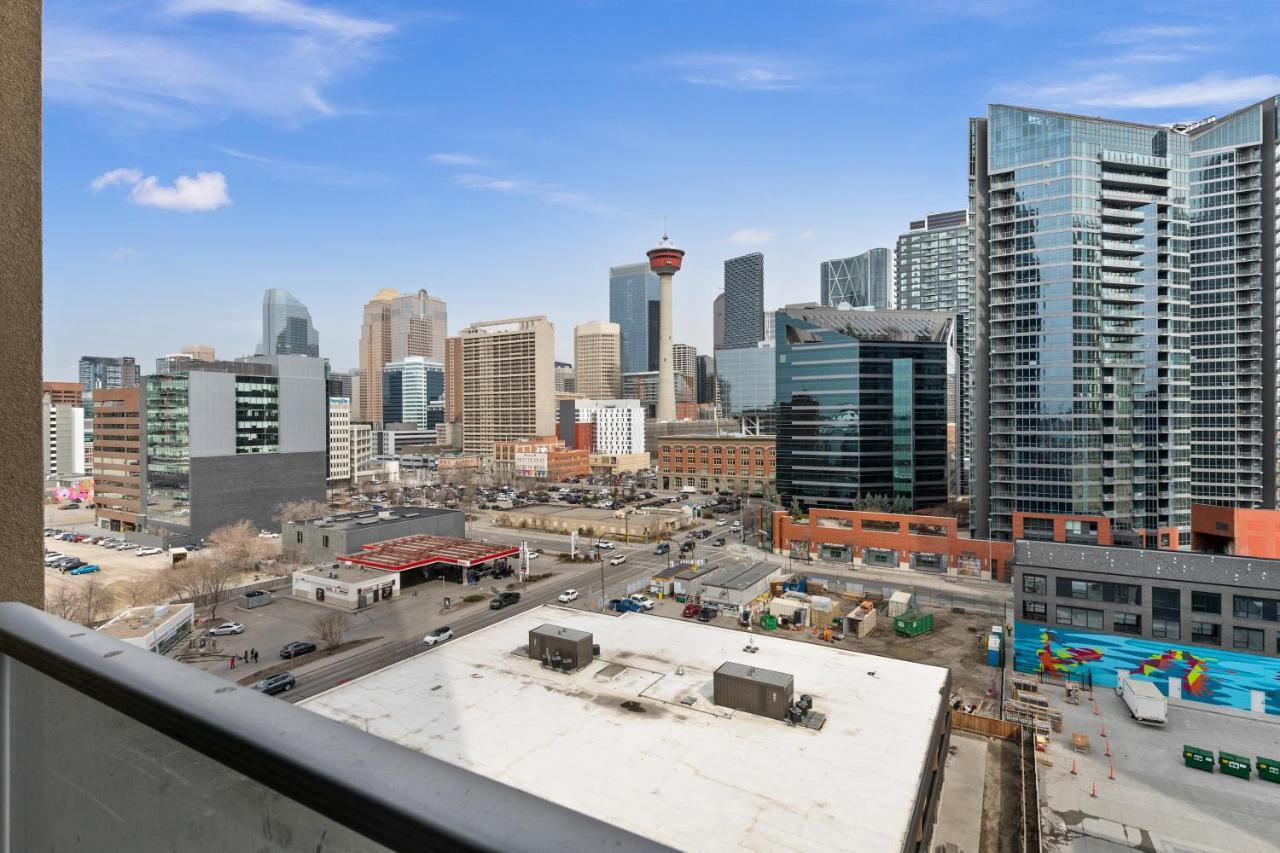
(503, 155)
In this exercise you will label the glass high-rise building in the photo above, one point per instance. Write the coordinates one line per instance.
(1233, 308)
(743, 301)
(862, 406)
(1082, 353)
(745, 377)
(286, 326)
(99, 372)
(934, 272)
(633, 305)
(861, 281)
(413, 392)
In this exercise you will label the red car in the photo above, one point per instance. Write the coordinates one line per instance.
(690, 610)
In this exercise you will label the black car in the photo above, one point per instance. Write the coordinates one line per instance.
(503, 599)
(297, 648)
(706, 614)
(278, 683)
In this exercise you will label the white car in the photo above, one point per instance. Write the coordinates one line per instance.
(533, 555)
(227, 628)
(53, 558)
(604, 543)
(618, 560)
(568, 595)
(721, 522)
(147, 552)
(643, 600)
(439, 635)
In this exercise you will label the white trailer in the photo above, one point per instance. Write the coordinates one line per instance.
(1146, 703)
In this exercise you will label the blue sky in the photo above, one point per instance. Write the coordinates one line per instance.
(504, 154)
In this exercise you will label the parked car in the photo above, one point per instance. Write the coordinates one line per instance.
(533, 555)
(643, 600)
(718, 542)
(297, 648)
(604, 543)
(690, 611)
(503, 599)
(72, 505)
(720, 522)
(227, 628)
(277, 683)
(53, 557)
(663, 548)
(568, 595)
(686, 548)
(147, 552)
(49, 531)
(439, 635)
(83, 569)
(706, 614)
(625, 605)
(69, 564)
(618, 560)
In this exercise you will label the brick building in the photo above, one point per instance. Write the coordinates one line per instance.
(118, 459)
(728, 463)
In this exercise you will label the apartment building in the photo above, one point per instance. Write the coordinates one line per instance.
(744, 301)
(63, 438)
(597, 357)
(119, 459)
(339, 440)
(861, 281)
(508, 381)
(617, 426)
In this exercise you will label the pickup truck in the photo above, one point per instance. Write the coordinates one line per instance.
(1146, 703)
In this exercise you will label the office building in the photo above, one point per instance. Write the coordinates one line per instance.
(861, 281)
(1206, 624)
(633, 305)
(597, 358)
(339, 383)
(339, 440)
(413, 392)
(233, 440)
(934, 272)
(396, 326)
(453, 380)
(62, 431)
(735, 464)
(705, 380)
(97, 372)
(364, 447)
(200, 352)
(717, 322)
(1233, 286)
(119, 459)
(566, 378)
(1082, 348)
(508, 381)
(746, 379)
(286, 326)
(375, 351)
(554, 462)
(419, 326)
(684, 360)
(743, 301)
(862, 406)
(63, 393)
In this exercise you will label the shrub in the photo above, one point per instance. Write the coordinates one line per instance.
(473, 598)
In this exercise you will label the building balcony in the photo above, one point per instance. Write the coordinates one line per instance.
(1118, 262)
(1123, 247)
(1133, 179)
(1121, 228)
(1122, 213)
(1117, 194)
(111, 747)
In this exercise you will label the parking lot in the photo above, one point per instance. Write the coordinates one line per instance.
(118, 568)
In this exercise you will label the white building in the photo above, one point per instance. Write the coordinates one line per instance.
(155, 627)
(339, 439)
(352, 587)
(691, 773)
(362, 446)
(63, 439)
(618, 424)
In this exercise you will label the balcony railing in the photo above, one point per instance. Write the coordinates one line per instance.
(105, 746)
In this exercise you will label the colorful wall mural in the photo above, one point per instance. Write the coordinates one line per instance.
(72, 490)
(1213, 676)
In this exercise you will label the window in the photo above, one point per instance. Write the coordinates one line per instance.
(1205, 602)
(1035, 584)
(1166, 613)
(1206, 632)
(1079, 617)
(1035, 611)
(1245, 607)
(324, 541)
(1167, 629)
(1115, 593)
(1127, 623)
(299, 535)
(1250, 639)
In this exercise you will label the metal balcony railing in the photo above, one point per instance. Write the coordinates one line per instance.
(105, 746)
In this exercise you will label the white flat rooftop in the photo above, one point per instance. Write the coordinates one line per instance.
(689, 776)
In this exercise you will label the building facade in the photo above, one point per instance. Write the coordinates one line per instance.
(862, 406)
(705, 380)
(617, 426)
(743, 301)
(63, 393)
(339, 440)
(508, 381)
(453, 380)
(734, 464)
(413, 392)
(1082, 352)
(227, 441)
(861, 281)
(566, 378)
(286, 326)
(419, 326)
(1233, 287)
(375, 351)
(1203, 627)
(324, 539)
(633, 306)
(96, 372)
(396, 326)
(717, 322)
(597, 357)
(745, 379)
(63, 436)
(119, 460)
(934, 272)
(644, 387)
(684, 361)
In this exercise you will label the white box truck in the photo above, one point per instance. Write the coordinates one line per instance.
(1146, 703)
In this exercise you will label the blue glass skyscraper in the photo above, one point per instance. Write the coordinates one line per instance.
(286, 326)
(633, 305)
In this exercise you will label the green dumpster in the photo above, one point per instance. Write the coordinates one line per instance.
(768, 621)
(913, 623)
(1200, 759)
(681, 598)
(1234, 765)
(1269, 769)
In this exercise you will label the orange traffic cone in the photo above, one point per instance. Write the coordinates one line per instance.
(1073, 767)
(1095, 709)
(1112, 774)
(1094, 793)
(1108, 752)
(1103, 731)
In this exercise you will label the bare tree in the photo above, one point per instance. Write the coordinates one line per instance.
(300, 510)
(95, 602)
(329, 628)
(239, 545)
(203, 578)
(63, 602)
(144, 591)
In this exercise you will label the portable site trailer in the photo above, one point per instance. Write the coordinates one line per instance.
(754, 690)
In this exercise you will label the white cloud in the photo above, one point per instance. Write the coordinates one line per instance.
(125, 253)
(287, 13)
(455, 160)
(738, 71)
(1118, 91)
(547, 193)
(1151, 33)
(335, 176)
(750, 236)
(206, 191)
(128, 177)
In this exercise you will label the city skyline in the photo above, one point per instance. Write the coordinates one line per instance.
(278, 190)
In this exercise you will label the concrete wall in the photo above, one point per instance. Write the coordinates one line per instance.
(326, 544)
(211, 400)
(225, 489)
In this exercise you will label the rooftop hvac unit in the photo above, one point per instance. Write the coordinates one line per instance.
(754, 690)
(566, 649)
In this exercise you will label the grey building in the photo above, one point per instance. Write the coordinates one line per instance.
(1082, 349)
(862, 406)
(746, 379)
(633, 305)
(705, 392)
(1233, 308)
(286, 326)
(717, 322)
(934, 272)
(861, 281)
(232, 440)
(1131, 605)
(323, 540)
(743, 301)
(339, 383)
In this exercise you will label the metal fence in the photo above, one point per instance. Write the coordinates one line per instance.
(272, 585)
(992, 608)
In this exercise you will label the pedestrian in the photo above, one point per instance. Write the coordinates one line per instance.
(233, 661)
(255, 655)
